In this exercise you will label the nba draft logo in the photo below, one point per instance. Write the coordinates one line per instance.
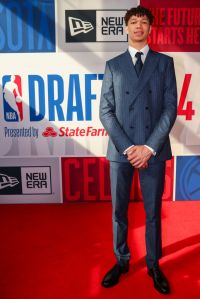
(12, 98)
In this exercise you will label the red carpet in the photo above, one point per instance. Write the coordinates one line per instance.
(63, 251)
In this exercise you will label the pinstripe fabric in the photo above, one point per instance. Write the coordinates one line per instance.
(139, 110)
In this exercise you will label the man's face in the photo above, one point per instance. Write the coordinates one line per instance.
(138, 28)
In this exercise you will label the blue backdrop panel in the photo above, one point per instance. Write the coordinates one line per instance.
(188, 178)
(27, 26)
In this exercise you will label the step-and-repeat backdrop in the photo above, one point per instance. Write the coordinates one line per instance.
(53, 53)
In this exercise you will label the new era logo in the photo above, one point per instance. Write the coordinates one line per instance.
(7, 181)
(25, 180)
(78, 26)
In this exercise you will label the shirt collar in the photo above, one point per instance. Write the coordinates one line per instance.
(133, 51)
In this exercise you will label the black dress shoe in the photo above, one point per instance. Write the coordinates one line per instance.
(112, 277)
(160, 281)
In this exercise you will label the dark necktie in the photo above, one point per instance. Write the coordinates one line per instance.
(138, 64)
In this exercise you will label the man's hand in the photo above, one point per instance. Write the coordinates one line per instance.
(138, 156)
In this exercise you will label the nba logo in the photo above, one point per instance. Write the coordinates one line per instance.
(12, 98)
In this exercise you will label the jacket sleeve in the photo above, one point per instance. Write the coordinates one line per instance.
(107, 113)
(161, 131)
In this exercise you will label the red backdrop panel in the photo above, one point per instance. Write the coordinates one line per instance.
(87, 179)
(176, 26)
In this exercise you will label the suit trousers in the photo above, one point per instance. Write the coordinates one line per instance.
(152, 186)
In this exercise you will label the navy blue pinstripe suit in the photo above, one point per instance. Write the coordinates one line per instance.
(136, 111)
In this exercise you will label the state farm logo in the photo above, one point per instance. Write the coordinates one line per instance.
(49, 132)
(77, 26)
(7, 181)
(12, 98)
(75, 132)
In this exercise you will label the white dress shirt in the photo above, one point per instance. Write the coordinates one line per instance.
(133, 51)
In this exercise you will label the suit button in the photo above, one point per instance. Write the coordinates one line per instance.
(132, 127)
(127, 92)
(146, 107)
(147, 127)
(131, 108)
(150, 91)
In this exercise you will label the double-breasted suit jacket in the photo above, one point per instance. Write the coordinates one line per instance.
(139, 110)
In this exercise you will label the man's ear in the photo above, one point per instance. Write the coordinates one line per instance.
(150, 29)
(126, 29)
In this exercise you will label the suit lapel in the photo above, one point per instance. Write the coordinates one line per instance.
(147, 70)
(138, 83)
(127, 66)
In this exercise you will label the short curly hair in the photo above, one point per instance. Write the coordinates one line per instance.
(138, 11)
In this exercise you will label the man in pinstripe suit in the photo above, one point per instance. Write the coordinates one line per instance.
(138, 109)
